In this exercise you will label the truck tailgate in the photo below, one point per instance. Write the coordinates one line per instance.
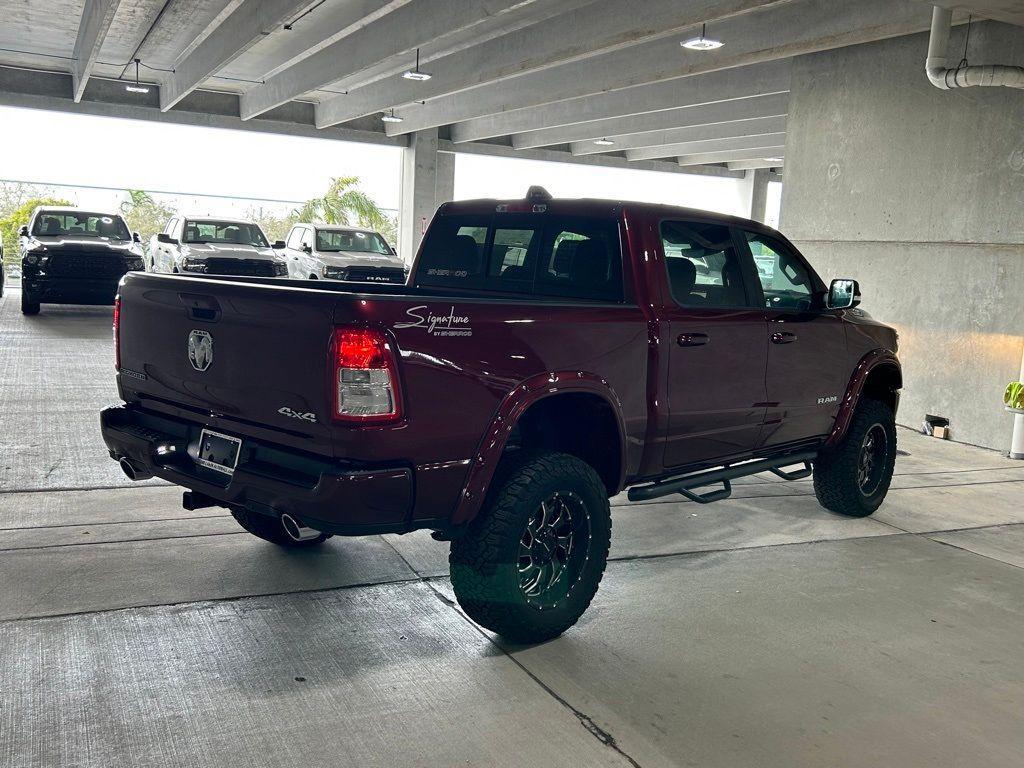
(235, 350)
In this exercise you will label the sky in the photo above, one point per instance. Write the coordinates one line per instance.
(58, 149)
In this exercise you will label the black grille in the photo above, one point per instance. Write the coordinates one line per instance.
(248, 267)
(375, 275)
(85, 265)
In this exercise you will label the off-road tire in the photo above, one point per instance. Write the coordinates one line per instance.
(836, 470)
(484, 560)
(270, 529)
(28, 307)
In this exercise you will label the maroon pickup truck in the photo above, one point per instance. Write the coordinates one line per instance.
(545, 355)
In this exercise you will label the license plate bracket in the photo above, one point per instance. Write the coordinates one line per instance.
(218, 451)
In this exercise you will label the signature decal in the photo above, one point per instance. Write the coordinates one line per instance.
(450, 324)
(286, 411)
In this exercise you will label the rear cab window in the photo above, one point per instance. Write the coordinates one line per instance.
(534, 254)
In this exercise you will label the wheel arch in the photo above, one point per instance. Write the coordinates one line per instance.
(536, 415)
(878, 375)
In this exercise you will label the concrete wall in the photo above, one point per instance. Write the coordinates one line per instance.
(919, 194)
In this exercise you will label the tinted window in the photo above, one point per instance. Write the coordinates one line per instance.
(80, 224)
(223, 232)
(333, 240)
(703, 265)
(525, 253)
(784, 279)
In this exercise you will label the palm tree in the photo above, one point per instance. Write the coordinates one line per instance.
(343, 203)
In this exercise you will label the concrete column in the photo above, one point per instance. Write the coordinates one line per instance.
(755, 192)
(916, 193)
(444, 190)
(419, 191)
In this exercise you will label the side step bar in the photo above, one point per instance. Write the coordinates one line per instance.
(686, 483)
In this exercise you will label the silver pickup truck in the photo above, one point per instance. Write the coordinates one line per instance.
(336, 252)
(215, 246)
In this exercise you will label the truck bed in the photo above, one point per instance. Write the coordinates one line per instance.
(460, 357)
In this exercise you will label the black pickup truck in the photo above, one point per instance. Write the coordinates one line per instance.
(72, 256)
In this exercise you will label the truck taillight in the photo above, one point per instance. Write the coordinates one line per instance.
(117, 333)
(364, 377)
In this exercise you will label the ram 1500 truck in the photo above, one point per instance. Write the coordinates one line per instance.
(545, 355)
(72, 256)
(207, 246)
(332, 252)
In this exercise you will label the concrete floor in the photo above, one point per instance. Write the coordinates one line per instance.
(758, 631)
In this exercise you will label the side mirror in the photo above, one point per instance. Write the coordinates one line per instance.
(278, 245)
(307, 248)
(843, 294)
(23, 232)
(136, 237)
(166, 239)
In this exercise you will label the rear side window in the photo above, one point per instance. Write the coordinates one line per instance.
(532, 254)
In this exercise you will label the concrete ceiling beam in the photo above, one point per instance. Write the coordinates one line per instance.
(704, 147)
(729, 156)
(404, 29)
(92, 30)
(682, 92)
(781, 31)
(574, 36)
(749, 108)
(246, 26)
(758, 126)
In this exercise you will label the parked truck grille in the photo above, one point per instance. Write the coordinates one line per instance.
(247, 267)
(86, 265)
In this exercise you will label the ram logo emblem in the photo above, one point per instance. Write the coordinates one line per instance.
(200, 350)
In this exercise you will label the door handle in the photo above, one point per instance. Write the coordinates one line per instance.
(783, 337)
(692, 339)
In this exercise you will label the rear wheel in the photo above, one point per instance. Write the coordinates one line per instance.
(272, 529)
(531, 562)
(28, 307)
(853, 478)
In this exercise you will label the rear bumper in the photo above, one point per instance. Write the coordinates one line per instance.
(70, 290)
(331, 496)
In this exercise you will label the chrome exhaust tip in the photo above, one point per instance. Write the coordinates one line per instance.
(295, 530)
(132, 472)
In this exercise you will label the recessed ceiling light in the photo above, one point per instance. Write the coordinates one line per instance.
(773, 159)
(604, 142)
(390, 117)
(415, 74)
(702, 43)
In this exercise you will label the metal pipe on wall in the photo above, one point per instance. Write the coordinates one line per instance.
(967, 76)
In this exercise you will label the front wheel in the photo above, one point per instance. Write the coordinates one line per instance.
(531, 561)
(853, 478)
(28, 307)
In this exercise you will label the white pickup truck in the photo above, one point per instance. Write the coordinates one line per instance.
(335, 252)
(215, 246)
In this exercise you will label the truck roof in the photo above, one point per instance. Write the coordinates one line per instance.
(334, 227)
(593, 207)
(222, 219)
(72, 209)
